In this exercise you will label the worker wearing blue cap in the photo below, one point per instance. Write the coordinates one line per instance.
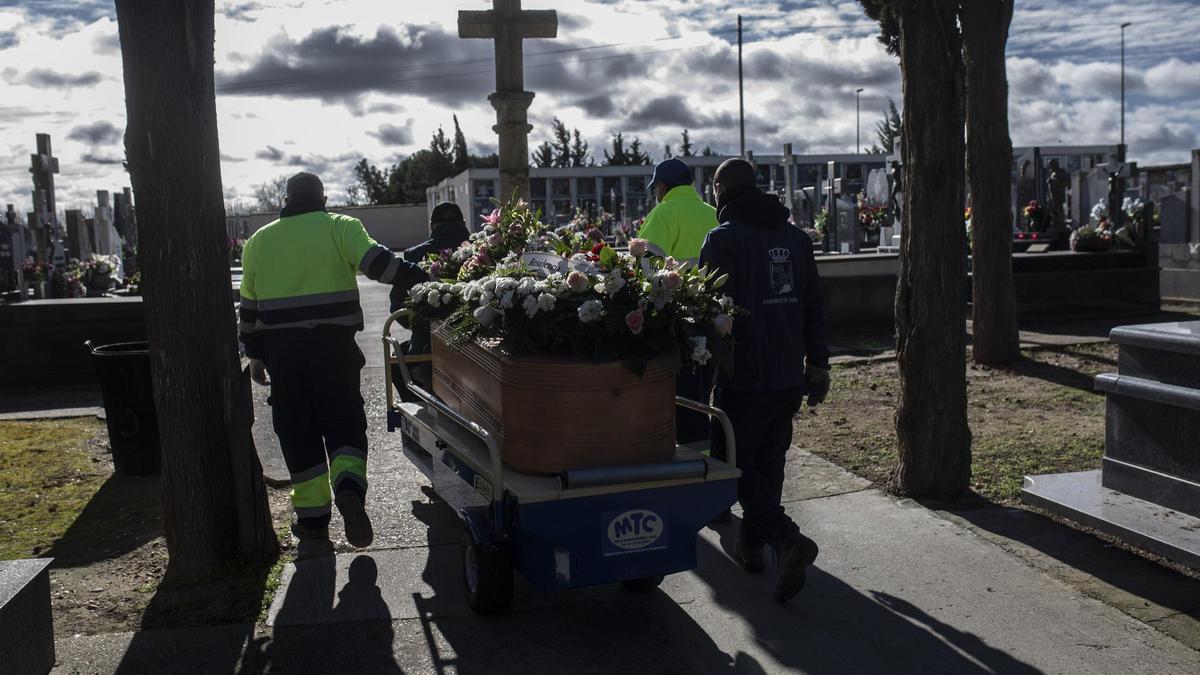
(678, 225)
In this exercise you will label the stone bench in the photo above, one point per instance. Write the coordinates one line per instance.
(26, 627)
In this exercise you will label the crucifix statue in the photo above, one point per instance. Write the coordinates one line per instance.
(43, 167)
(508, 25)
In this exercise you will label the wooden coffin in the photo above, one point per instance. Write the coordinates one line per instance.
(556, 413)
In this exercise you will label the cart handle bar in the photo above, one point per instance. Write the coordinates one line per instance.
(396, 356)
(726, 425)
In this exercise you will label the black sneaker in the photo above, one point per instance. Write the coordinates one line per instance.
(752, 558)
(354, 513)
(793, 556)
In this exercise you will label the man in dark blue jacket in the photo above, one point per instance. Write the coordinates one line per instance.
(447, 230)
(779, 355)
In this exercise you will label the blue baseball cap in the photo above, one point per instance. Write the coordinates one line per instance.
(672, 171)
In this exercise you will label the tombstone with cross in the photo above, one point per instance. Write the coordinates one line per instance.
(843, 230)
(509, 25)
(43, 167)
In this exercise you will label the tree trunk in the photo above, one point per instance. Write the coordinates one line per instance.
(931, 423)
(989, 172)
(213, 499)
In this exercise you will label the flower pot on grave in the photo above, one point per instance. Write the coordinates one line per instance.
(552, 413)
(41, 290)
(98, 284)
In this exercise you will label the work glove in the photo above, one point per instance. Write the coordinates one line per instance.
(816, 383)
(258, 372)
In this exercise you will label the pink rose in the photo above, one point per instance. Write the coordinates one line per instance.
(577, 281)
(634, 320)
(638, 247)
(723, 323)
(672, 280)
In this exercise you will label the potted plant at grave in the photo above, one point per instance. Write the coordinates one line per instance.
(64, 280)
(38, 275)
(870, 218)
(1088, 238)
(1033, 216)
(98, 274)
(535, 330)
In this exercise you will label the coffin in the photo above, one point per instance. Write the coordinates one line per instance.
(555, 413)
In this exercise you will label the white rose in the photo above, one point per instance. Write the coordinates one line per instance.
(486, 314)
(546, 302)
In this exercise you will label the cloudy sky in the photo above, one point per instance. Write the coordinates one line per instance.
(321, 84)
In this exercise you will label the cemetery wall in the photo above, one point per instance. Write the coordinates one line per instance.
(1180, 273)
(396, 226)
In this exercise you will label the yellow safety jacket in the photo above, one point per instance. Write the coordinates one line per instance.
(680, 222)
(300, 271)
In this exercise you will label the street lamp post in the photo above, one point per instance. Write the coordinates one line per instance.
(1123, 27)
(857, 122)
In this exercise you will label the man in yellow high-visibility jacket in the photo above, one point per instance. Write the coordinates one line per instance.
(678, 225)
(298, 316)
(677, 228)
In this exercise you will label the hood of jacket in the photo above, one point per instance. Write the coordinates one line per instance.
(751, 205)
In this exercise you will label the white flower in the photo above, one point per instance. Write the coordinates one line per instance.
(700, 353)
(417, 293)
(506, 300)
(486, 297)
(526, 286)
(530, 305)
(446, 298)
(546, 302)
(489, 284)
(723, 324)
(486, 314)
(433, 298)
(591, 310)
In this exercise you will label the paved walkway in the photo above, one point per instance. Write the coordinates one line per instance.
(898, 588)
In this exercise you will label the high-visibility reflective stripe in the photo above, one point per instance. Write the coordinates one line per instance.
(247, 303)
(369, 257)
(312, 511)
(390, 272)
(352, 320)
(309, 474)
(307, 300)
(349, 450)
(348, 466)
(312, 493)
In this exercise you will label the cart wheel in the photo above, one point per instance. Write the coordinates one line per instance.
(488, 576)
(643, 583)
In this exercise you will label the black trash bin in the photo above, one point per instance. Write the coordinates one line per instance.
(124, 373)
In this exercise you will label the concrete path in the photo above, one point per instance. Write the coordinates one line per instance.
(898, 588)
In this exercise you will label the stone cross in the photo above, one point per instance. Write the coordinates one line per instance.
(508, 25)
(789, 178)
(43, 167)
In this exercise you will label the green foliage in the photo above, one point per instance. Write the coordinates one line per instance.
(461, 161)
(887, 129)
(543, 156)
(889, 25)
(685, 147)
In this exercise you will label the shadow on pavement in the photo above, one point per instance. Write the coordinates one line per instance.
(123, 515)
(833, 627)
(1088, 554)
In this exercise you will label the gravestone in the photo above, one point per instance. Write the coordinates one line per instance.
(43, 167)
(1081, 201)
(12, 252)
(1148, 488)
(848, 228)
(79, 236)
(508, 25)
(39, 227)
(1172, 215)
(1097, 188)
(108, 242)
(1029, 182)
(833, 190)
(26, 626)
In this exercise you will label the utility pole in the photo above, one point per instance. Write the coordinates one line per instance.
(1122, 148)
(857, 122)
(741, 99)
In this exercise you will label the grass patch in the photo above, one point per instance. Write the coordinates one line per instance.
(48, 473)
(999, 464)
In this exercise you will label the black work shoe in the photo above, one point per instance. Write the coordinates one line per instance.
(752, 558)
(305, 533)
(312, 542)
(724, 517)
(354, 513)
(793, 556)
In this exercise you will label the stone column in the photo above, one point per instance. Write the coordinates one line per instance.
(512, 126)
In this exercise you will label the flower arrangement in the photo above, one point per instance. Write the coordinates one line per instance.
(541, 292)
(1032, 214)
(1088, 238)
(870, 217)
(35, 271)
(1099, 212)
(821, 222)
(970, 231)
(235, 249)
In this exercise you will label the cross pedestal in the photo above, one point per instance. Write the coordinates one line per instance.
(508, 25)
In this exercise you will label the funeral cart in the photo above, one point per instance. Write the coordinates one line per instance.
(628, 523)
